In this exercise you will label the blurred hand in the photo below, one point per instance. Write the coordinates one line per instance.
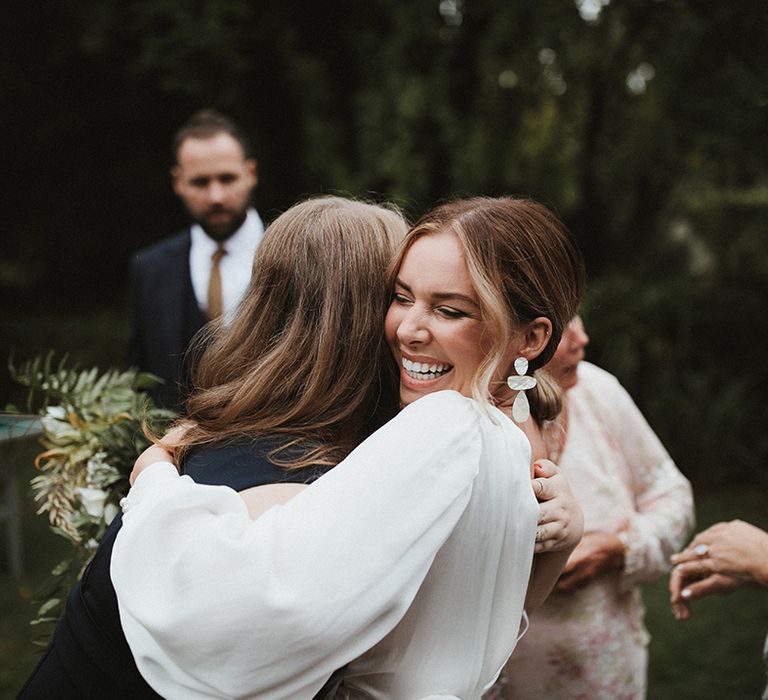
(561, 522)
(735, 548)
(718, 560)
(159, 452)
(684, 588)
(597, 554)
(153, 454)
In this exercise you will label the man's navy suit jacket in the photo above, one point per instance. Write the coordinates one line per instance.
(165, 315)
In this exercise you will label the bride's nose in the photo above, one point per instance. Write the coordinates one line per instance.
(413, 328)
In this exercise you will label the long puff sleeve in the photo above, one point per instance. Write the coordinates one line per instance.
(663, 514)
(214, 604)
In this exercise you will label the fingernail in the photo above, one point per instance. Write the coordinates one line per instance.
(686, 593)
(674, 558)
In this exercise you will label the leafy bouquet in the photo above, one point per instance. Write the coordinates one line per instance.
(92, 433)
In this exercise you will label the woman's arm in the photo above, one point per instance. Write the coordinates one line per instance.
(663, 515)
(561, 524)
(306, 587)
(258, 499)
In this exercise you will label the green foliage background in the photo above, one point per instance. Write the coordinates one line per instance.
(665, 185)
(663, 180)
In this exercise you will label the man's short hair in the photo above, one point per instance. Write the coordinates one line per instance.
(204, 125)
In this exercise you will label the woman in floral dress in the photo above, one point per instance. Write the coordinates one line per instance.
(588, 640)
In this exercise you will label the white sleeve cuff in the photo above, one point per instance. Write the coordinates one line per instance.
(149, 482)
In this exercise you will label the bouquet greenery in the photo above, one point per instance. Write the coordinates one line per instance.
(92, 433)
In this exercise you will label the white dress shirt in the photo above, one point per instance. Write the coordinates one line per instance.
(433, 512)
(235, 266)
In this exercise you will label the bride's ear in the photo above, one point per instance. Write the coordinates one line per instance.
(536, 335)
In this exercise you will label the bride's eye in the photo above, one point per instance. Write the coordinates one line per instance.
(399, 298)
(449, 312)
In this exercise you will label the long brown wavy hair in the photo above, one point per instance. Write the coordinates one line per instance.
(304, 358)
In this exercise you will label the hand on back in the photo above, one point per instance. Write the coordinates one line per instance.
(159, 452)
(561, 522)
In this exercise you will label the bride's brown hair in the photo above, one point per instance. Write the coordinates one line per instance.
(304, 358)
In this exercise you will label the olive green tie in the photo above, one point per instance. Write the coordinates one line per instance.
(215, 306)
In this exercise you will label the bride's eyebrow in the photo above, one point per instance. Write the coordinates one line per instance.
(455, 296)
(441, 296)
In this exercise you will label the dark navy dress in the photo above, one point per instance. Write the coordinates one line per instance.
(88, 656)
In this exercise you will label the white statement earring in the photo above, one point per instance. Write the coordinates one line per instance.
(521, 410)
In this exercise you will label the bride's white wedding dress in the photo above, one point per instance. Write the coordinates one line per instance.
(406, 566)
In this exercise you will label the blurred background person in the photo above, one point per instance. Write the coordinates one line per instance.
(588, 640)
(202, 272)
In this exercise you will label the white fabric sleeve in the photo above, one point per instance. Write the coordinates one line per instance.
(465, 620)
(215, 605)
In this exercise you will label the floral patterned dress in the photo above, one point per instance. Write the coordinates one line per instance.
(591, 644)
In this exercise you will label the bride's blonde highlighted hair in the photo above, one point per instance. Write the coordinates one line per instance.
(304, 357)
(523, 265)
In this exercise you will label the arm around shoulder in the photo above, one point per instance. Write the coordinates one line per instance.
(561, 526)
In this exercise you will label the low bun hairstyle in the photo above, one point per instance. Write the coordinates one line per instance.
(546, 398)
(523, 264)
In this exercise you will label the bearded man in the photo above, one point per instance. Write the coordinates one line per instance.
(201, 273)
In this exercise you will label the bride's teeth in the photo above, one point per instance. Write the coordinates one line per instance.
(424, 370)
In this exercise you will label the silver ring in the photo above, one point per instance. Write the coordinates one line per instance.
(701, 550)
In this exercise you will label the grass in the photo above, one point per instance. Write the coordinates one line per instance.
(714, 656)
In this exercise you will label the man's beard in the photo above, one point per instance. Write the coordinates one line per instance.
(221, 231)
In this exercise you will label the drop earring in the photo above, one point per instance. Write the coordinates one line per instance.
(521, 410)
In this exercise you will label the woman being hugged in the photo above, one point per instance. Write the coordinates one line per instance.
(417, 547)
(297, 381)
